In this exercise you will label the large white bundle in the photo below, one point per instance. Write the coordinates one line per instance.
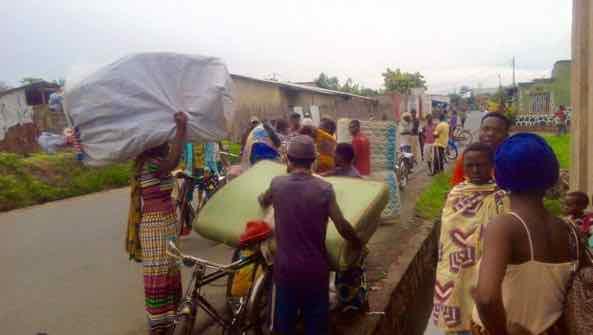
(382, 137)
(128, 106)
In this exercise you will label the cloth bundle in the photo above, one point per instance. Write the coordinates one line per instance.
(382, 137)
(127, 107)
(393, 205)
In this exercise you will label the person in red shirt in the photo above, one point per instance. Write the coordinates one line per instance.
(494, 129)
(362, 149)
(560, 117)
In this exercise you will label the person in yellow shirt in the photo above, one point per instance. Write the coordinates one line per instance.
(325, 140)
(441, 133)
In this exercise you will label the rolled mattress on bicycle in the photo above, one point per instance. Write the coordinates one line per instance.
(224, 216)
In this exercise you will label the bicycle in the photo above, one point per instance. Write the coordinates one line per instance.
(206, 185)
(452, 150)
(405, 163)
(462, 136)
(248, 313)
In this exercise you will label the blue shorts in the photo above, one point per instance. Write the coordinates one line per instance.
(312, 304)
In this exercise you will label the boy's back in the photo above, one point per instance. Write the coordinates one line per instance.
(301, 206)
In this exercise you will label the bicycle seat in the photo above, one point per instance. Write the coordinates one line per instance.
(255, 231)
(407, 155)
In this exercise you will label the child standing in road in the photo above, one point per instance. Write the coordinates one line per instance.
(303, 204)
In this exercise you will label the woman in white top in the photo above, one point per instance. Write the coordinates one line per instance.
(529, 254)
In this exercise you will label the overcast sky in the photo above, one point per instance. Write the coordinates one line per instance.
(451, 42)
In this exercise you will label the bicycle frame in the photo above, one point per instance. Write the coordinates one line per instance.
(193, 299)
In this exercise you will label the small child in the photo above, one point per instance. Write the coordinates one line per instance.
(575, 204)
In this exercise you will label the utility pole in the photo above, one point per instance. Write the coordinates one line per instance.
(514, 66)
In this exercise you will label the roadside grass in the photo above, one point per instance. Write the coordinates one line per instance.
(561, 147)
(432, 199)
(40, 178)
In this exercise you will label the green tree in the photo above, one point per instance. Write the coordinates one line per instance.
(349, 86)
(402, 82)
(329, 83)
(455, 99)
(463, 90)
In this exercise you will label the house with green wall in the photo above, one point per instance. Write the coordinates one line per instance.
(544, 96)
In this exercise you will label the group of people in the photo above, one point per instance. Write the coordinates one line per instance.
(505, 261)
(269, 141)
(430, 140)
(303, 205)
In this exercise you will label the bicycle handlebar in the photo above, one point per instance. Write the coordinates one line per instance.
(190, 261)
(225, 153)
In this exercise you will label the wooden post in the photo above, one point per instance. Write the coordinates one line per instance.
(581, 170)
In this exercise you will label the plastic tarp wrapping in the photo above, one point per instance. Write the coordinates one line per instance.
(224, 216)
(128, 106)
(51, 142)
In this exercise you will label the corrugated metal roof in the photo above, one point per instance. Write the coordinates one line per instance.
(32, 85)
(300, 87)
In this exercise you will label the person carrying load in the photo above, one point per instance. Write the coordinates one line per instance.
(302, 205)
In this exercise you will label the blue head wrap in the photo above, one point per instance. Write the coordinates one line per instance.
(525, 163)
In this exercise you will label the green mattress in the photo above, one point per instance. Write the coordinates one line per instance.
(224, 216)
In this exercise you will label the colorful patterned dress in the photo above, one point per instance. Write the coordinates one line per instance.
(467, 210)
(162, 279)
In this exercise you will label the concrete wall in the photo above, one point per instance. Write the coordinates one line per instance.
(581, 170)
(561, 85)
(410, 303)
(259, 99)
(557, 88)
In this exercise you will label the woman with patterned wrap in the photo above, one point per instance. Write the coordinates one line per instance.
(469, 206)
(152, 223)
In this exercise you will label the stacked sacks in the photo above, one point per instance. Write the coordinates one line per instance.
(382, 137)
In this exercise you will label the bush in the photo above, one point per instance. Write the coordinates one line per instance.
(40, 178)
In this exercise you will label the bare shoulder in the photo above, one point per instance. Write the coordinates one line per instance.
(502, 226)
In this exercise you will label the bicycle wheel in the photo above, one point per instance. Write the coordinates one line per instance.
(461, 136)
(185, 210)
(469, 138)
(402, 173)
(259, 309)
(452, 152)
(185, 323)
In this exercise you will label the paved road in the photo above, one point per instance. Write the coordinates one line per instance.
(65, 271)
